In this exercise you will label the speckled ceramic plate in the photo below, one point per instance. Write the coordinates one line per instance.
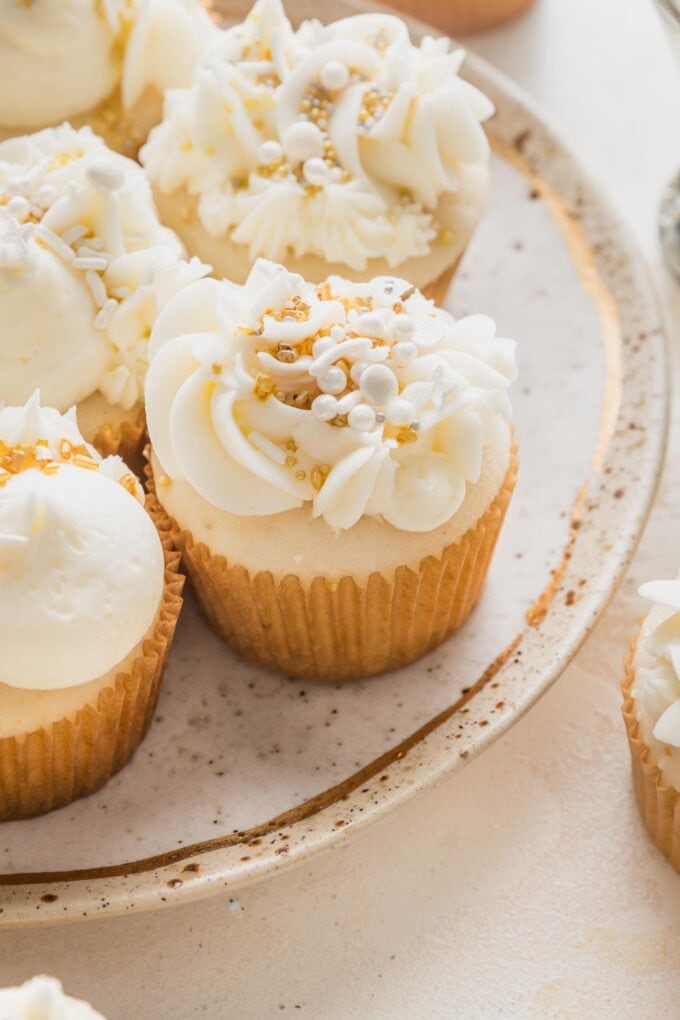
(245, 772)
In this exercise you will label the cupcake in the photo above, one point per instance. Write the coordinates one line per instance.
(85, 267)
(89, 599)
(340, 149)
(651, 711)
(42, 998)
(458, 17)
(105, 64)
(333, 462)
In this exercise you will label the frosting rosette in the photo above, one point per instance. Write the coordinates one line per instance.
(58, 60)
(81, 563)
(657, 682)
(353, 398)
(85, 268)
(343, 142)
(42, 998)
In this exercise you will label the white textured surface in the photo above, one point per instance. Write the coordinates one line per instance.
(526, 886)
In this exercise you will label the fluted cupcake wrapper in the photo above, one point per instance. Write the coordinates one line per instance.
(342, 628)
(127, 440)
(75, 756)
(658, 802)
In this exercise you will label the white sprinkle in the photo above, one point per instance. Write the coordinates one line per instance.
(362, 418)
(121, 293)
(85, 251)
(54, 242)
(338, 333)
(74, 233)
(95, 262)
(96, 285)
(267, 447)
(106, 174)
(332, 381)
(325, 407)
(46, 196)
(19, 207)
(349, 401)
(96, 243)
(106, 314)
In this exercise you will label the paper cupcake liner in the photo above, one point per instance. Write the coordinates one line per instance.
(658, 802)
(342, 629)
(127, 439)
(458, 17)
(51, 767)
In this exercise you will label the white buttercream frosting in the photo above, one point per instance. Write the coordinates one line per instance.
(85, 267)
(336, 141)
(42, 998)
(81, 564)
(359, 398)
(61, 59)
(657, 679)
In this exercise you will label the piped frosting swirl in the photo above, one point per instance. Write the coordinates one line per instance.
(59, 60)
(337, 141)
(358, 399)
(658, 678)
(81, 564)
(85, 267)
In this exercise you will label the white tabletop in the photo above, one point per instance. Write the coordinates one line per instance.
(526, 886)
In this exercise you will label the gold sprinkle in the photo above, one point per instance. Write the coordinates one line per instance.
(291, 461)
(318, 475)
(264, 386)
(445, 236)
(300, 475)
(217, 367)
(164, 482)
(129, 482)
(291, 445)
(406, 434)
(85, 462)
(65, 449)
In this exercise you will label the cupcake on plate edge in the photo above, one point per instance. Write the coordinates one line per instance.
(43, 998)
(333, 149)
(651, 712)
(89, 600)
(103, 64)
(334, 461)
(85, 267)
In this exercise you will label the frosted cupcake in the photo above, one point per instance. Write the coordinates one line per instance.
(335, 463)
(85, 267)
(42, 998)
(341, 149)
(651, 711)
(102, 63)
(89, 598)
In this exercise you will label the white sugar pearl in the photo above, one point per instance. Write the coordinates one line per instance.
(19, 207)
(303, 140)
(103, 173)
(324, 407)
(338, 332)
(269, 152)
(404, 352)
(400, 412)
(379, 385)
(46, 196)
(334, 75)
(361, 418)
(315, 170)
(403, 327)
(371, 324)
(323, 344)
(333, 381)
(356, 370)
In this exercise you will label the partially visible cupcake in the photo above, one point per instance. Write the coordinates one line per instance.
(85, 267)
(106, 64)
(651, 711)
(459, 17)
(340, 149)
(334, 462)
(89, 599)
(43, 998)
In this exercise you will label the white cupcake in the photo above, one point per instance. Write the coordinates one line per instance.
(334, 463)
(89, 599)
(103, 63)
(651, 711)
(85, 267)
(43, 998)
(340, 149)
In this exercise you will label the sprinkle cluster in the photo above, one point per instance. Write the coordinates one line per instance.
(19, 457)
